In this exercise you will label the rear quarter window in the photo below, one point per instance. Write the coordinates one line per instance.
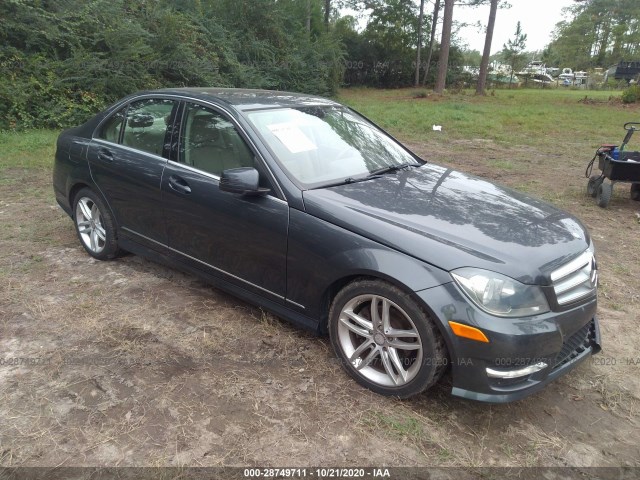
(110, 130)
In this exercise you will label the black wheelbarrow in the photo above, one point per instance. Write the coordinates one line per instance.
(617, 165)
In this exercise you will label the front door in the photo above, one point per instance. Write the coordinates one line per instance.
(242, 239)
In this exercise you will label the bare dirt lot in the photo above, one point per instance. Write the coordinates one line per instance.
(131, 363)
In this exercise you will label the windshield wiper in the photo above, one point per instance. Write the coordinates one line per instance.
(349, 180)
(391, 169)
(372, 175)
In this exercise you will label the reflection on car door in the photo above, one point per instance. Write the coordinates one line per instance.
(127, 158)
(241, 238)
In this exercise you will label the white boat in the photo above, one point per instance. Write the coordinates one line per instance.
(536, 71)
(535, 66)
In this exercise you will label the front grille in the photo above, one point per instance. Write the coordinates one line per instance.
(576, 279)
(576, 344)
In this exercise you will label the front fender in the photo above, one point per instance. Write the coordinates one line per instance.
(321, 255)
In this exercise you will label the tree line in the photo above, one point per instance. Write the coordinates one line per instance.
(63, 60)
(598, 33)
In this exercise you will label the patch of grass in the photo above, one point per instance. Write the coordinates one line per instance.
(618, 307)
(614, 397)
(523, 117)
(405, 427)
(30, 149)
(502, 164)
(531, 186)
(621, 269)
(445, 454)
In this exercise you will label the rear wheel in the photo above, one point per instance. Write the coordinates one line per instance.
(635, 192)
(592, 186)
(385, 340)
(605, 191)
(94, 225)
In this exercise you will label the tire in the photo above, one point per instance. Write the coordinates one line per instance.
(635, 192)
(604, 194)
(594, 183)
(399, 365)
(94, 225)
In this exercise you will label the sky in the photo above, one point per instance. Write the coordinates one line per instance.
(538, 19)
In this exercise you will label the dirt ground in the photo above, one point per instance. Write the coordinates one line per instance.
(131, 363)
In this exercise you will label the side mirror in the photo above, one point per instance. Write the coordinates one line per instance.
(243, 181)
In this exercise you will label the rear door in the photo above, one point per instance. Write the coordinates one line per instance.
(242, 239)
(127, 158)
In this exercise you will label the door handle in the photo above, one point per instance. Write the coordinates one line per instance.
(105, 155)
(179, 184)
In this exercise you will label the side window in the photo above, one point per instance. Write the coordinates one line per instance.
(110, 130)
(210, 142)
(146, 124)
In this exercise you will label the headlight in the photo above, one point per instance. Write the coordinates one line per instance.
(500, 295)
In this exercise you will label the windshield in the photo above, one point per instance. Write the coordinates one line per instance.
(325, 145)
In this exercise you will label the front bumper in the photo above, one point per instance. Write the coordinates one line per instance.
(522, 355)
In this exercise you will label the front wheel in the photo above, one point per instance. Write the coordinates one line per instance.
(605, 190)
(94, 225)
(594, 183)
(385, 340)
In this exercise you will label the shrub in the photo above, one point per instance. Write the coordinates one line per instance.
(62, 62)
(631, 94)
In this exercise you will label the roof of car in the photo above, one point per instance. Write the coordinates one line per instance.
(248, 99)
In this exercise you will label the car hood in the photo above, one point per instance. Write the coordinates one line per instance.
(451, 220)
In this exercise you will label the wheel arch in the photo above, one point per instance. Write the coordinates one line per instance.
(334, 288)
(79, 185)
(73, 192)
(330, 293)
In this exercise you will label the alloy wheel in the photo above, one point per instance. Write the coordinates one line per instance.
(380, 340)
(89, 222)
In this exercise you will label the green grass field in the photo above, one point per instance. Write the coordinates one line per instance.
(524, 117)
(27, 149)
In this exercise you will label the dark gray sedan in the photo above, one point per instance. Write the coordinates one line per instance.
(307, 209)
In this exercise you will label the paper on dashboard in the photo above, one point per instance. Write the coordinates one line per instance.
(292, 137)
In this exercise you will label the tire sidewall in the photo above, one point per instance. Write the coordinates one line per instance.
(594, 183)
(428, 373)
(110, 249)
(604, 195)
